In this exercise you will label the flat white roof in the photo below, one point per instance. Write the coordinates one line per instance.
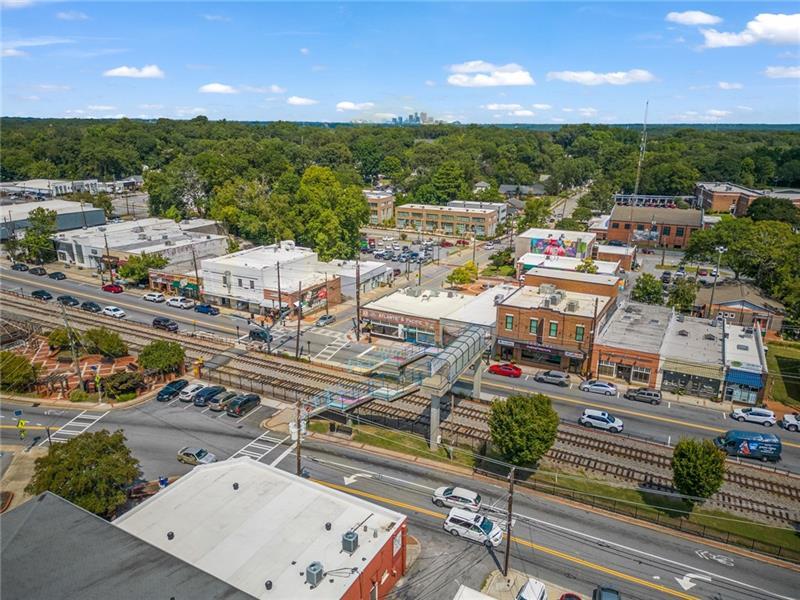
(437, 208)
(573, 276)
(142, 235)
(270, 528)
(262, 257)
(377, 194)
(565, 263)
(482, 309)
(465, 593)
(620, 250)
(741, 349)
(600, 222)
(419, 302)
(545, 234)
(533, 297)
(693, 340)
(347, 268)
(18, 212)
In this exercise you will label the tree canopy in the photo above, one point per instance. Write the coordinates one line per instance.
(767, 208)
(682, 295)
(464, 274)
(698, 468)
(523, 428)
(162, 356)
(647, 289)
(37, 242)
(17, 373)
(136, 267)
(104, 341)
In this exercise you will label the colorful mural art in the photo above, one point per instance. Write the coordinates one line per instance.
(559, 246)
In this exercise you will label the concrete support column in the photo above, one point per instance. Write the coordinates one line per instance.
(436, 402)
(477, 380)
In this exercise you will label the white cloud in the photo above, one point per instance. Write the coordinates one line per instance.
(557, 119)
(766, 27)
(347, 105)
(76, 111)
(101, 107)
(217, 18)
(52, 87)
(478, 73)
(385, 116)
(783, 72)
(31, 98)
(72, 15)
(305, 51)
(592, 78)
(713, 112)
(587, 112)
(495, 106)
(12, 47)
(728, 85)
(151, 106)
(522, 113)
(567, 110)
(9, 52)
(542, 106)
(186, 111)
(146, 72)
(217, 88)
(15, 3)
(265, 89)
(430, 82)
(300, 101)
(745, 108)
(712, 115)
(693, 17)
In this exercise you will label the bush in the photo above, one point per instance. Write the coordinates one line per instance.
(698, 468)
(78, 395)
(104, 341)
(162, 356)
(17, 373)
(119, 385)
(523, 428)
(64, 357)
(59, 338)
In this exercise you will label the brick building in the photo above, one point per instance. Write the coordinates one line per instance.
(741, 304)
(447, 220)
(626, 255)
(645, 226)
(570, 281)
(721, 196)
(381, 206)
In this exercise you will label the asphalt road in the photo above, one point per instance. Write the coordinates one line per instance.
(568, 546)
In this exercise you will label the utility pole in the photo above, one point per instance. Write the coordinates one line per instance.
(358, 301)
(196, 274)
(720, 250)
(508, 524)
(299, 318)
(326, 293)
(474, 247)
(280, 302)
(108, 259)
(419, 272)
(71, 341)
(299, 438)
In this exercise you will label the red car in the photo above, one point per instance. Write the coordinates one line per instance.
(702, 272)
(506, 369)
(113, 288)
(462, 243)
(446, 244)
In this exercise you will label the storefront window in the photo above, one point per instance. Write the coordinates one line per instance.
(553, 329)
(534, 326)
(385, 329)
(640, 374)
(607, 368)
(509, 322)
(579, 331)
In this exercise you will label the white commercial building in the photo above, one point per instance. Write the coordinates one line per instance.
(554, 242)
(499, 207)
(563, 263)
(272, 534)
(50, 188)
(371, 274)
(69, 216)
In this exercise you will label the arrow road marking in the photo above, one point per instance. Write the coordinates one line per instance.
(720, 558)
(351, 479)
(686, 581)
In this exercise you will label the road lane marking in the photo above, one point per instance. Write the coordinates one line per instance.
(283, 455)
(540, 548)
(81, 421)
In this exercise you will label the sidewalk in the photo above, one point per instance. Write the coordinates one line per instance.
(20, 471)
(506, 588)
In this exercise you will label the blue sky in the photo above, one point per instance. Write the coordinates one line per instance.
(551, 62)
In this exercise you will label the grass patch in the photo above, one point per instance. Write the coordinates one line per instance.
(670, 267)
(504, 271)
(408, 443)
(783, 361)
(318, 427)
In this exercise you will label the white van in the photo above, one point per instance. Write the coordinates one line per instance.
(533, 590)
(466, 524)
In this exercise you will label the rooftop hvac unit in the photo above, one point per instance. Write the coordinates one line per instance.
(710, 337)
(314, 573)
(683, 333)
(546, 303)
(547, 288)
(556, 298)
(142, 236)
(350, 542)
(742, 347)
(572, 306)
(679, 318)
(168, 243)
(498, 298)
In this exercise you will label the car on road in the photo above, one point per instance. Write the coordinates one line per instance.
(40, 271)
(471, 526)
(41, 295)
(325, 320)
(172, 389)
(181, 302)
(490, 245)
(187, 393)
(114, 311)
(506, 370)
(243, 404)
(569, 596)
(532, 590)
(153, 297)
(762, 416)
(595, 386)
(219, 402)
(57, 275)
(112, 288)
(446, 244)
(165, 323)
(555, 377)
(92, 307)
(600, 419)
(714, 273)
(206, 309)
(647, 251)
(68, 300)
(603, 592)
(195, 456)
(201, 397)
(650, 395)
(19, 267)
(791, 422)
(457, 497)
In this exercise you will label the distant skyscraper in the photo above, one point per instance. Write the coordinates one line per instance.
(424, 117)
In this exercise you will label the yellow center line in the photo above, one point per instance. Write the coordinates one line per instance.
(544, 549)
(38, 427)
(622, 411)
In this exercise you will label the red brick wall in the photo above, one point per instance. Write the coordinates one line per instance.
(627, 357)
(670, 240)
(625, 260)
(384, 564)
(569, 285)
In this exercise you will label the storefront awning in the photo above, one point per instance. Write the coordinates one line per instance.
(695, 369)
(747, 378)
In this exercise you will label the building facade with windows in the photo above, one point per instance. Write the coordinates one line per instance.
(692, 360)
(742, 304)
(381, 206)
(69, 216)
(722, 196)
(626, 255)
(554, 242)
(447, 220)
(745, 365)
(645, 226)
(500, 207)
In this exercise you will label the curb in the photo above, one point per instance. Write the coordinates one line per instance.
(79, 405)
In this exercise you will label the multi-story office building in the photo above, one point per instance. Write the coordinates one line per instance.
(447, 220)
(668, 227)
(381, 206)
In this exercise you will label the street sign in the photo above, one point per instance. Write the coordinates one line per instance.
(18, 413)
(21, 424)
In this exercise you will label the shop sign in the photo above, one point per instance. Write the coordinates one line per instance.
(574, 354)
(505, 343)
(537, 348)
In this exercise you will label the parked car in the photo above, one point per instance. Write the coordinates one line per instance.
(506, 369)
(555, 377)
(666, 277)
(40, 271)
(595, 386)
(195, 456)
(243, 404)
(462, 242)
(181, 302)
(702, 272)
(114, 311)
(532, 590)
(165, 323)
(446, 244)
(714, 272)
(19, 267)
(762, 416)
(68, 300)
(457, 497)
(41, 295)
(57, 275)
(650, 395)
(172, 389)
(762, 446)
(201, 398)
(396, 272)
(187, 393)
(113, 288)
(206, 309)
(92, 307)
(220, 401)
(490, 245)
(647, 251)
(791, 422)
(569, 596)
(153, 297)
(601, 420)
(617, 243)
(603, 592)
(471, 526)
(325, 320)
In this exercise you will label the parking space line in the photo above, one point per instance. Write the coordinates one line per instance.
(252, 412)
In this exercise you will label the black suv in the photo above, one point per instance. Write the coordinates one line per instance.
(172, 389)
(165, 323)
(241, 405)
(19, 267)
(38, 271)
(68, 300)
(41, 295)
(92, 307)
(57, 275)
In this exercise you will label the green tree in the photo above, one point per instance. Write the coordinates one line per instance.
(91, 470)
(37, 241)
(586, 266)
(682, 295)
(774, 209)
(448, 181)
(582, 214)
(122, 385)
(698, 468)
(523, 428)
(569, 224)
(162, 356)
(536, 213)
(647, 289)
(100, 200)
(60, 337)
(17, 373)
(137, 266)
(104, 341)
(173, 213)
(464, 274)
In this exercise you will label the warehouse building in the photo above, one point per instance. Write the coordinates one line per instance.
(69, 216)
